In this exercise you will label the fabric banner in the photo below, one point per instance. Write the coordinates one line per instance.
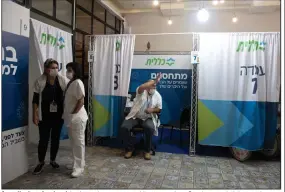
(239, 84)
(15, 68)
(175, 84)
(48, 42)
(111, 76)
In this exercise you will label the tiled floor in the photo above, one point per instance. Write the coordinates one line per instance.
(106, 168)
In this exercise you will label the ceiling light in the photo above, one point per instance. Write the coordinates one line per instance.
(169, 22)
(215, 2)
(234, 19)
(222, 1)
(203, 15)
(155, 2)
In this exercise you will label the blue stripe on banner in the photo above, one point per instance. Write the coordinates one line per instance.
(113, 115)
(264, 117)
(247, 124)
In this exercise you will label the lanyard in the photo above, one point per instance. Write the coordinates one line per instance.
(53, 87)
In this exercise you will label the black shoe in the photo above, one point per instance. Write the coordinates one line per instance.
(54, 165)
(39, 168)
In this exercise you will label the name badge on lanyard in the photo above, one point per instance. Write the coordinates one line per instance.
(53, 105)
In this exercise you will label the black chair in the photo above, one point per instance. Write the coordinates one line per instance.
(184, 121)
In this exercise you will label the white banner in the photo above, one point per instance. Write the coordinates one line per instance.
(52, 43)
(248, 63)
(111, 77)
(239, 84)
(46, 42)
(113, 63)
(15, 68)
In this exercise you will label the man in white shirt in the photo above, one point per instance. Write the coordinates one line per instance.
(147, 104)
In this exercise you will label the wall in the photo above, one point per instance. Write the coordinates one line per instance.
(218, 22)
(50, 22)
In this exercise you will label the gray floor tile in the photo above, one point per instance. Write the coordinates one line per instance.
(107, 169)
(173, 172)
(187, 185)
(247, 185)
(121, 185)
(136, 186)
(231, 185)
(126, 178)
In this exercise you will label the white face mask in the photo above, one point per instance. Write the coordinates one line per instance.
(53, 72)
(151, 91)
(69, 75)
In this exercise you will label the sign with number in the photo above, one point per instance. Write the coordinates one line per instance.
(195, 57)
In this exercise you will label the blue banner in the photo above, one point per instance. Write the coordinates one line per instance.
(15, 58)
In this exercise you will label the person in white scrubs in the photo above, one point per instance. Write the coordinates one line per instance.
(75, 116)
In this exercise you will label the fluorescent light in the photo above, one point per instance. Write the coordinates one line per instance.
(169, 22)
(234, 19)
(155, 2)
(203, 15)
(222, 1)
(215, 2)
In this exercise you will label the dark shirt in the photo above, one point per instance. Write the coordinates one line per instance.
(49, 94)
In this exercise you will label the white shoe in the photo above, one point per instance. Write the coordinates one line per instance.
(77, 173)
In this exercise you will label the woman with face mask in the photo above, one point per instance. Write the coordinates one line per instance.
(75, 117)
(48, 110)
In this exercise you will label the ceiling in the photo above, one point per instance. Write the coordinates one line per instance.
(179, 7)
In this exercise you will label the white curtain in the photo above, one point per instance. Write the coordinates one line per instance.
(239, 84)
(111, 76)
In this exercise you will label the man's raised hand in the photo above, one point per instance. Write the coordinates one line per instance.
(157, 79)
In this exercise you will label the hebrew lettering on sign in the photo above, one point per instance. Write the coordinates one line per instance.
(43, 38)
(52, 40)
(14, 54)
(160, 61)
(250, 45)
(9, 54)
(117, 66)
(255, 72)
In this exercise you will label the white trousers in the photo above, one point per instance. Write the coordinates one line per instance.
(76, 133)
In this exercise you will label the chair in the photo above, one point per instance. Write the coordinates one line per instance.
(184, 121)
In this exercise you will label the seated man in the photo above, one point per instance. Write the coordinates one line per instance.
(147, 104)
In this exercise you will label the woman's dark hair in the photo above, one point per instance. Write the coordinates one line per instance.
(76, 69)
(50, 61)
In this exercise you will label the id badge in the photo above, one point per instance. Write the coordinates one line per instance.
(53, 107)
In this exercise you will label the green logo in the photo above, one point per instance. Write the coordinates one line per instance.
(50, 39)
(251, 46)
(160, 61)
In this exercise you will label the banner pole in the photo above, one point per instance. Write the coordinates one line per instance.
(194, 101)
